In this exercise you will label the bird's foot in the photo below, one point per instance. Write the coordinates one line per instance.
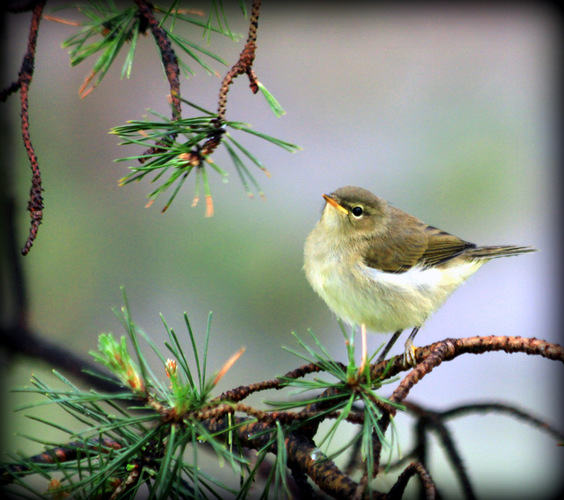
(409, 354)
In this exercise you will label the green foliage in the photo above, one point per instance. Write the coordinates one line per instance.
(275, 106)
(116, 357)
(107, 29)
(217, 11)
(119, 442)
(179, 158)
(352, 396)
(147, 439)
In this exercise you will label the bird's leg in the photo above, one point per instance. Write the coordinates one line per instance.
(363, 348)
(409, 353)
(389, 345)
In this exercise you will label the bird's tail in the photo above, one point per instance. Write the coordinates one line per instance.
(498, 251)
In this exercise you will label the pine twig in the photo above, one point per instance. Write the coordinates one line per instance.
(170, 62)
(243, 65)
(35, 204)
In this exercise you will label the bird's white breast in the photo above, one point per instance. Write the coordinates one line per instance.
(384, 302)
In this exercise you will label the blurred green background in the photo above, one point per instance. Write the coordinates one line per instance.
(447, 112)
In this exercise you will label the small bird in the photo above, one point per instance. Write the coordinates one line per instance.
(381, 268)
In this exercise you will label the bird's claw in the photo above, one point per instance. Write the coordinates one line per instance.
(409, 358)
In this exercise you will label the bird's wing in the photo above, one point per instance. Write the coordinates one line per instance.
(418, 244)
(442, 247)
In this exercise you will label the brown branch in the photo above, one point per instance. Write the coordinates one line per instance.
(435, 357)
(302, 452)
(19, 340)
(427, 421)
(243, 65)
(303, 455)
(428, 358)
(172, 70)
(530, 346)
(304, 458)
(199, 154)
(432, 356)
(11, 89)
(242, 392)
(70, 451)
(35, 204)
(429, 488)
(509, 409)
(170, 62)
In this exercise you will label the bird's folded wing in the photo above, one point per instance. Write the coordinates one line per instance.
(420, 245)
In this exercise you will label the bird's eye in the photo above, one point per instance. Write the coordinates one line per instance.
(357, 211)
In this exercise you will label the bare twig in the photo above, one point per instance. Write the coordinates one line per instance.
(411, 470)
(242, 392)
(35, 204)
(168, 56)
(434, 421)
(243, 65)
(508, 409)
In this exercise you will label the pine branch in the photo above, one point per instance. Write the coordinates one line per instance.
(184, 411)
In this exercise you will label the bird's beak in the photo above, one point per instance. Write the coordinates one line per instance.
(334, 204)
